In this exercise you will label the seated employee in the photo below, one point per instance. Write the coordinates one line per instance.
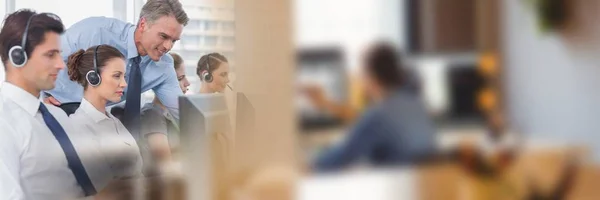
(394, 130)
(41, 155)
(101, 71)
(213, 70)
(159, 128)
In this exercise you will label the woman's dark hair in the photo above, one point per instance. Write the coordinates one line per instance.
(383, 63)
(209, 62)
(177, 60)
(81, 62)
(14, 26)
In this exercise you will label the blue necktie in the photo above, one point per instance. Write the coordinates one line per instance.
(131, 116)
(72, 158)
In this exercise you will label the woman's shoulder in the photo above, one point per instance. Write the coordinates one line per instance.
(78, 117)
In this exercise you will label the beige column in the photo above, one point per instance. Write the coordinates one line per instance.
(265, 72)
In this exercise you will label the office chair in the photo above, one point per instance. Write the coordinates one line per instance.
(69, 108)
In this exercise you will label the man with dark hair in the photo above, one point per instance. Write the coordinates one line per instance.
(30, 158)
(145, 46)
(39, 153)
(394, 130)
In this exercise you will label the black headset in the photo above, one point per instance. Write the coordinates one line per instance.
(93, 76)
(206, 75)
(17, 54)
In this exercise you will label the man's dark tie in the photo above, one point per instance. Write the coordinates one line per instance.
(131, 117)
(72, 158)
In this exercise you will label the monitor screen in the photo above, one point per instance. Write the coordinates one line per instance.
(245, 115)
(204, 143)
(325, 68)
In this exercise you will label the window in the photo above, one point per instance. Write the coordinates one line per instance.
(228, 26)
(210, 41)
(191, 55)
(227, 41)
(229, 55)
(194, 24)
(190, 70)
(211, 25)
(205, 9)
(191, 40)
(3, 8)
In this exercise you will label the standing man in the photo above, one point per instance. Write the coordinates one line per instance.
(145, 46)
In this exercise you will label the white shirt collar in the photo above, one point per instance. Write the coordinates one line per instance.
(92, 112)
(24, 99)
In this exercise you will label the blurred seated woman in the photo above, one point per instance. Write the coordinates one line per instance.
(213, 70)
(101, 72)
(394, 130)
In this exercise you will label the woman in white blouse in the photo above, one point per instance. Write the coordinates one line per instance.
(101, 72)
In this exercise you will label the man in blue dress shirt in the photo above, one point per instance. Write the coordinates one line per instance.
(145, 46)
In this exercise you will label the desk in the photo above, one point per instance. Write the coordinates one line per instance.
(433, 182)
(313, 142)
(449, 181)
(540, 162)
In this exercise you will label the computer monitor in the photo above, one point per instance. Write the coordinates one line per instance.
(326, 68)
(245, 115)
(204, 122)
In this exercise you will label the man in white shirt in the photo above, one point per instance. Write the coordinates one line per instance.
(37, 156)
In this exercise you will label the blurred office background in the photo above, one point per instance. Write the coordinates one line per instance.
(535, 63)
(443, 45)
(485, 68)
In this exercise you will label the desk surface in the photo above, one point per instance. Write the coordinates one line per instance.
(447, 138)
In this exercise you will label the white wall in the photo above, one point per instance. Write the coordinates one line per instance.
(551, 83)
(349, 24)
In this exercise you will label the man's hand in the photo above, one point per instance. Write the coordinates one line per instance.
(159, 147)
(316, 95)
(52, 100)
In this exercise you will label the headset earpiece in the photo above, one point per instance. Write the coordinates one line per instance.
(17, 54)
(93, 76)
(207, 76)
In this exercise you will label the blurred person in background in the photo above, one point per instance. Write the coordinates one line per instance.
(394, 130)
(213, 70)
(101, 72)
(160, 130)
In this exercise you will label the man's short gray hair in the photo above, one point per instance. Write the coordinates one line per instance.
(154, 9)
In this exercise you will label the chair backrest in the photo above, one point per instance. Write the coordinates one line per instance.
(118, 112)
(69, 108)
